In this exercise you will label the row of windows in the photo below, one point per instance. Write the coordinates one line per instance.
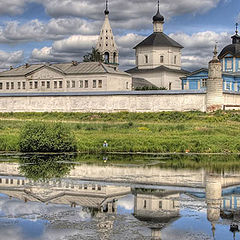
(106, 45)
(161, 59)
(160, 204)
(56, 84)
(10, 181)
(22, 182)
(229, 63)
(107, 31)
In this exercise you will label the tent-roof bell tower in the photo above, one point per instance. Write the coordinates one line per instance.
(106, 44)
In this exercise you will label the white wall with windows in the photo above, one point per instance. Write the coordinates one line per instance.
(152, 57)
(46, 80)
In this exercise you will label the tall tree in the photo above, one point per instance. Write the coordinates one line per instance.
(94, 56)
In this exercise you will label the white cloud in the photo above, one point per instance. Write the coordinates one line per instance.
(12, 7)
(8, 59)
(35, 30)
(72, 48)
(198, 47)
(132, 8)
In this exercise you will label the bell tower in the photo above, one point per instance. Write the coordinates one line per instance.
(106, 44)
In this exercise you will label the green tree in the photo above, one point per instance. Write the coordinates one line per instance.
(46, 137)
(94, 56)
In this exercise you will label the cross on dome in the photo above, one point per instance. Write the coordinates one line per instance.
(106, 10)
(158, 17)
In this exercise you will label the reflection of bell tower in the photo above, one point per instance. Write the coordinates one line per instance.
(213, 199)
(106, 219)
(106, 45)
(156, 234)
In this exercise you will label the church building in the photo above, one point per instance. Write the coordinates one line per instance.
(158, 58)
(230, 60)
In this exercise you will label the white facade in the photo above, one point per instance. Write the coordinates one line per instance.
(153, 57)
(69, 77)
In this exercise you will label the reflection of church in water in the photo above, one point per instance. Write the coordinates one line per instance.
(155, 209)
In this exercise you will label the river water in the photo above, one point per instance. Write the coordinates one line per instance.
(119, 197)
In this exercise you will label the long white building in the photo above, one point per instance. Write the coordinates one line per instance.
(64, 77)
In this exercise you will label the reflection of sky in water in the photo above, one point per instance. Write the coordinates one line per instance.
(38, 221)
(126, 205)
(23, 228)
(194, 225)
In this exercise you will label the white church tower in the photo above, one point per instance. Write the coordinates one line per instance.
(106, 45)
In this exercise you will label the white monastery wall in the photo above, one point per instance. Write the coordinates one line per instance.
(104, 102)
(231, 101)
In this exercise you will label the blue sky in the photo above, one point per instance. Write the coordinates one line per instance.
(64, 30)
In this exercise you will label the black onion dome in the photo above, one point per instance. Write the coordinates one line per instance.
(233, 49)
(158, 17)
(106, 12)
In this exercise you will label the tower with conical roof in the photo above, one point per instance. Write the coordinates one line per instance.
(106, 44)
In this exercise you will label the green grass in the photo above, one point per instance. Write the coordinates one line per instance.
(137, 132)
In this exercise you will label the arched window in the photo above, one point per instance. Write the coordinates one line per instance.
(106, 57)
(146, 58)
(161, 59)
(175, 59)
(114, 57)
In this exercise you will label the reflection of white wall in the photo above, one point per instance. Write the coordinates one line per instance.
(152, 205)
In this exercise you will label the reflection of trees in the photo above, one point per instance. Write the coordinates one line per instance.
(212, 163)
(39, 167)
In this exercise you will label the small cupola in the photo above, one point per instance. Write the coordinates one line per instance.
(236, 37)
(106, 12)
(158, 21)
(158, 17)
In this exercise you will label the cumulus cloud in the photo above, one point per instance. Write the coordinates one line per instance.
(72, 48)
(75, 24)
(13, 7)
(198, 47)
(35, 30)
(130, 8)
(8, 59)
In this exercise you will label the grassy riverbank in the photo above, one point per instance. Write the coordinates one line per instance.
(137, 132)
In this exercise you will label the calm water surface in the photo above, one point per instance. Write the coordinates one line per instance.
(106, 197)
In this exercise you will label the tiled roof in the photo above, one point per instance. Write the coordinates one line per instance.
(64, 68)
(141, 82)
(158, 40)
(157, 69)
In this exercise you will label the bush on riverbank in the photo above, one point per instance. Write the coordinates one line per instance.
(46, 137)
